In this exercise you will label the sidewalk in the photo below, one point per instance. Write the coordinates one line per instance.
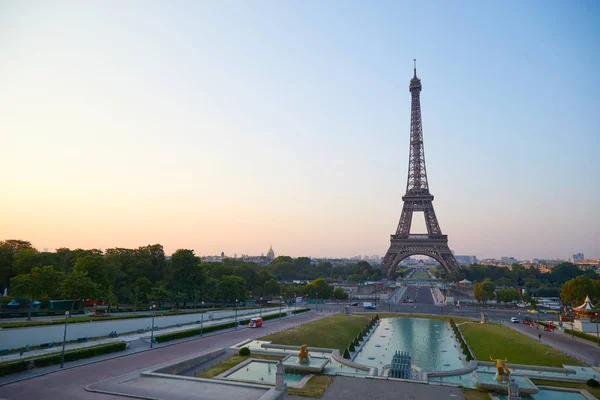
(128, 338)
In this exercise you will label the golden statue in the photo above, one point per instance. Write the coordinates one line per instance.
(503, 371)
(303, 355)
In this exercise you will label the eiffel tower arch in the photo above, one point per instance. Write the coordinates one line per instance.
(417, 199)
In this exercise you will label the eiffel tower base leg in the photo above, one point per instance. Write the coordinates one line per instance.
(434, 246)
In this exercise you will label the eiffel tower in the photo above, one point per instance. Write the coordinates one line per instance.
(417, 198)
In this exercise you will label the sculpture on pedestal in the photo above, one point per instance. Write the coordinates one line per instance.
(513, 390)
(503, 372)
(279, 383)
(303, 355)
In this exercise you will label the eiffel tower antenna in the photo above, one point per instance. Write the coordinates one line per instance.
(417, 198)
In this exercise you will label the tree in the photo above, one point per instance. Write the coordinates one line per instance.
(136, 297)
(24, 260)
(28, 286)
(271, 288)
(319, 288)
(159, 293)
(231, 288)
(79, 286)
(183, 273)
(112, 299)
(479, 293)
(564, 272)
(575, 290)
(340, 294)
(95, 268)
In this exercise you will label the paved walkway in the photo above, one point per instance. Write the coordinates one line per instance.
(69, 384)
(131, 337)
(580, 349)
(347, 388)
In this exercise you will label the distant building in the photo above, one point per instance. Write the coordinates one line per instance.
(222, 254)
(577, 257)
(593, 264)
(466, 260)
(508, 260)
(270, 253)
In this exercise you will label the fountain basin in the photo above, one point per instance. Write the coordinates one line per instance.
(315, 364)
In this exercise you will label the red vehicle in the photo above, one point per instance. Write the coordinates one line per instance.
(255, 322)
(93, 303)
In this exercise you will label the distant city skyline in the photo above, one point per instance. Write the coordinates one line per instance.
(228, 126)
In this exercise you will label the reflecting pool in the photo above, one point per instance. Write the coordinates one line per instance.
(263, 372)
(428, 341)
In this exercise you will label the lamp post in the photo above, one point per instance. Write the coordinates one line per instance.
(295, 309)
(572, 328)
(235, 321)
(280, 303)
(597, 336)
(152, 331)
(202, 320)
(260, 306)
(62, 358)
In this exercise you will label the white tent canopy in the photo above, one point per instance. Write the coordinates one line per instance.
(586, 306)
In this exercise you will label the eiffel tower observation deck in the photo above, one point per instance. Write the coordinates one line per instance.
(417, 199)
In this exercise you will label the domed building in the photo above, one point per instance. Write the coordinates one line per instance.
(270, 253)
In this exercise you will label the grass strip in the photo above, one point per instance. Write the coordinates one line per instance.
(336, 332)
(499, 341)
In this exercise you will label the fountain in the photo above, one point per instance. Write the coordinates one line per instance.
(303, 357)
(503, 372)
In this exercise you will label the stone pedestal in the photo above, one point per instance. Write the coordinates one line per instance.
(279, 383)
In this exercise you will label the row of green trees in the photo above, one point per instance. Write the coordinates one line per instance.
(538, 283)
(573, 292)
(142, 275)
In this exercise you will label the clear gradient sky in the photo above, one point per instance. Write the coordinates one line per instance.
(233, 125)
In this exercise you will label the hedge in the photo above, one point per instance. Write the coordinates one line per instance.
(586, 336)
(207, 329)
(301, 310)
(23, 365)
(463, 344)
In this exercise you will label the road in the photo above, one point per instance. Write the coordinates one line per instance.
(69, 384)
(576, 347)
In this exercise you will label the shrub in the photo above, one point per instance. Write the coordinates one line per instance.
(244, 352)
(352, 348)
(346, 354)
(592, 383)
(13, 368)
(356, 343)
(376, 317)
(582, 335)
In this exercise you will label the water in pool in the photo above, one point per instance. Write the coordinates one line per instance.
(545, 394)
(428, 341)
(263, 372)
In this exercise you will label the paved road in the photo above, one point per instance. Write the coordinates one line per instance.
(585, 351)
(69, 384)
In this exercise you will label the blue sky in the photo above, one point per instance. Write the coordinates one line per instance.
(230, 126)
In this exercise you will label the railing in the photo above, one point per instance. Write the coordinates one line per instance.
(420, 237)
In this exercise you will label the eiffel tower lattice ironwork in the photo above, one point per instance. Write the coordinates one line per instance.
(417, 198)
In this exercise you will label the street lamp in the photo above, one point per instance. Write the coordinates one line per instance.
(235, 321)
(202, 320)
(62, 359)
(295, 309)
(280, 303)
(572, 328)
(597, 336)
(260, 306)
(152, 332)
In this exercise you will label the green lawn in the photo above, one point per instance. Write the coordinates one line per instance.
(230, 363)
(314, 388)
(594, 391)
(499, 341)
(458, 320)
(336, 332)
(420, 275)
(475, 394)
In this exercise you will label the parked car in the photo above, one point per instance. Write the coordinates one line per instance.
(514, 320)
(355, 304)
